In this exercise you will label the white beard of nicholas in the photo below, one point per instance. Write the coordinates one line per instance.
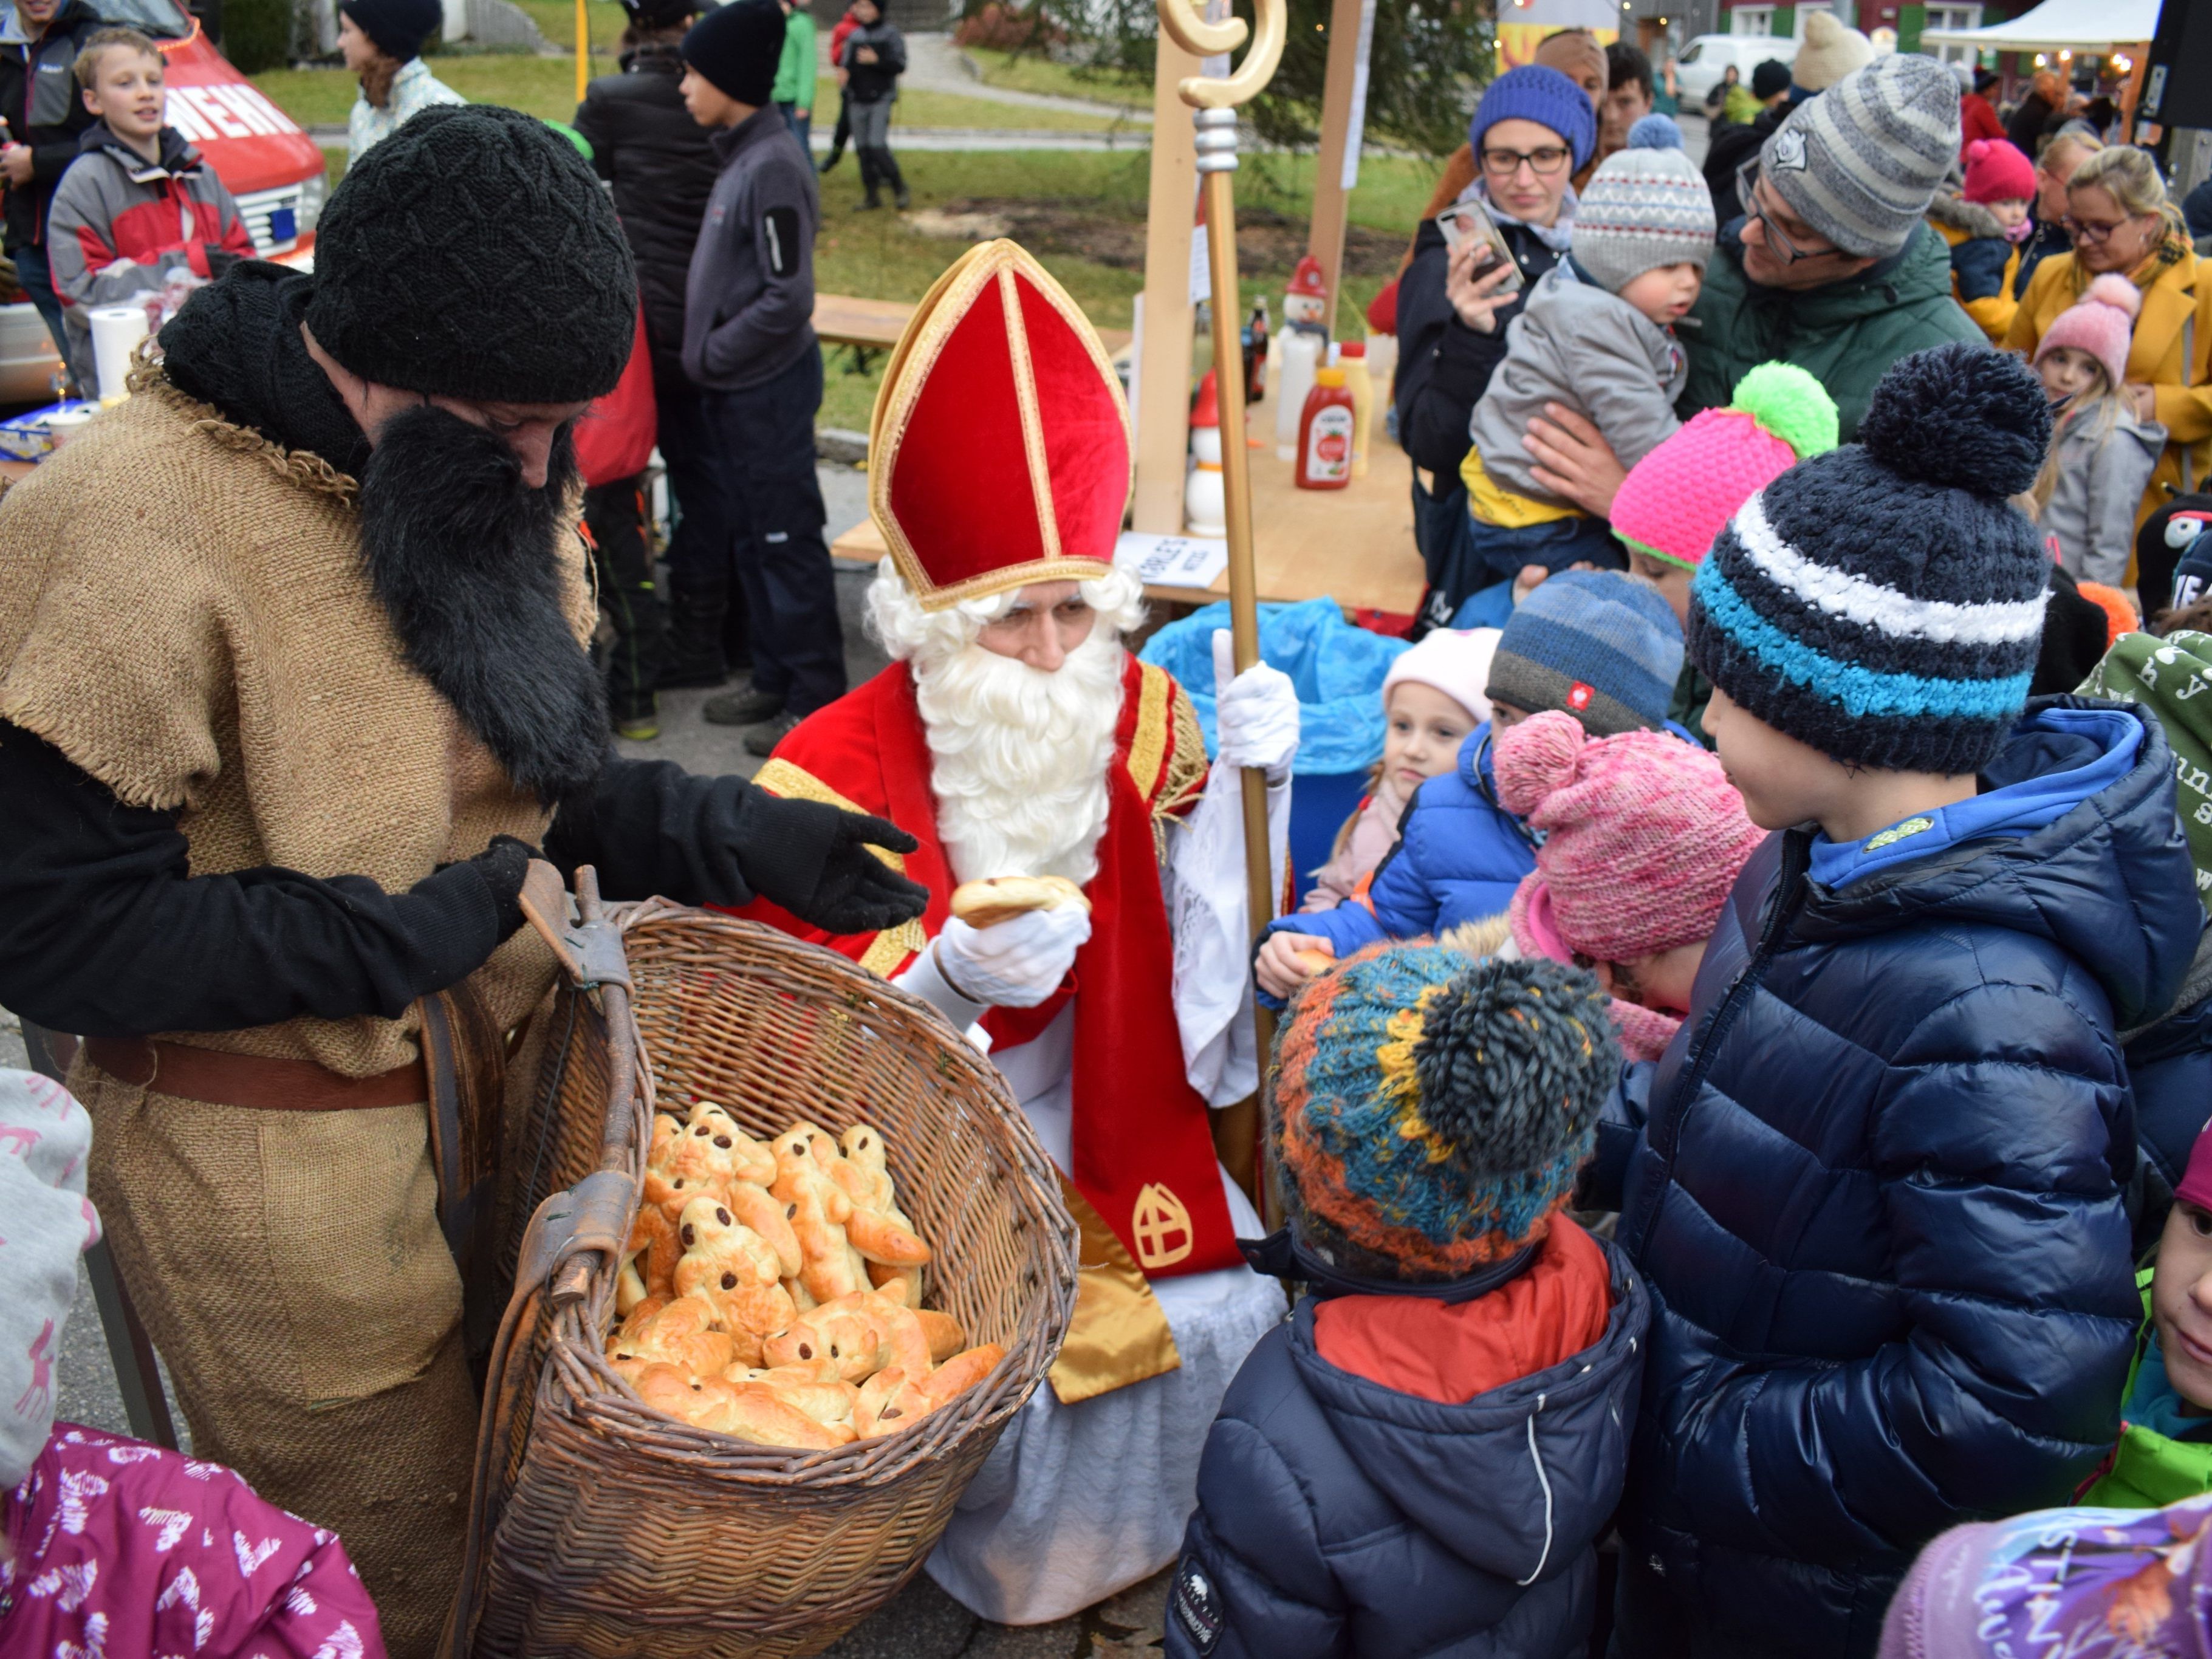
(1019, 757)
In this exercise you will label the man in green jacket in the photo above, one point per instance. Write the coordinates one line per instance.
(794, 93)
(1832, 268)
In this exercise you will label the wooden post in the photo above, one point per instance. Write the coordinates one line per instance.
(1325, 236)
(1164, 372)
(583, 49)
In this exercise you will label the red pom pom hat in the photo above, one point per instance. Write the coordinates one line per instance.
(999, 454)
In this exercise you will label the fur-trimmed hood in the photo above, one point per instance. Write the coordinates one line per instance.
(1961, 221)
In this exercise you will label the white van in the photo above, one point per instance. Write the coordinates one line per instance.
(1699, 67)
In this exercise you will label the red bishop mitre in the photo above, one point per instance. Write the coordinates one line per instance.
(999, 454)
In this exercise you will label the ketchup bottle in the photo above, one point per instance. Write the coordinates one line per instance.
(1325, 430)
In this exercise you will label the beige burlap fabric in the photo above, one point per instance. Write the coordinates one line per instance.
(290, 1270)
(183, 612)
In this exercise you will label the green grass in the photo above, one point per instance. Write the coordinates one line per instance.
(557, 22)
(1030, 72)
(546, 86)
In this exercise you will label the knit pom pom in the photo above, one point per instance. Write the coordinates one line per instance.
(1962, 417)
(1536, 759)
(1654, 131)
(2117, 291)
(1791, 404)
(1513, 1061)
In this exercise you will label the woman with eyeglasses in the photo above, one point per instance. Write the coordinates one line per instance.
(1534, 128)
(2122, 224)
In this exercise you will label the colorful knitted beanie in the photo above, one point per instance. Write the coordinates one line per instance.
(1430, 1111)
(1643, 208)
(1883, 603)
(1601, 646)
(2102, 322)
(1682, 495)
(1643, 836)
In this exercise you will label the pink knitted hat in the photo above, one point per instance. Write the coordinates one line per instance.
(2196, 1183)
(1644, 835)
(2101, 323)
(1996, 172)
(1682, 495)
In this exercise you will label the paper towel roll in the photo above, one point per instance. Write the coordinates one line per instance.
(116, 331)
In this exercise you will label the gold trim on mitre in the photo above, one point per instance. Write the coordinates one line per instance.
(988, 267)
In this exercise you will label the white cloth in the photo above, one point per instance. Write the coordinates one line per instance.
(1206, 905)
(1017, 962)
(414, 89)
(1078, 1502)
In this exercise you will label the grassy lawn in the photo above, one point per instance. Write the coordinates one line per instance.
(546, 86)
(1032, 73)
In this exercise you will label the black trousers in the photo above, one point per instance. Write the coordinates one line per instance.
(763, 452)
(615, 514)
(701, 547)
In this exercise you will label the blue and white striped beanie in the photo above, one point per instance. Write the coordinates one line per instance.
(1883, 603)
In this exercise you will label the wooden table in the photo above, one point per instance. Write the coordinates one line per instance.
(1354, 544)
(876, 325)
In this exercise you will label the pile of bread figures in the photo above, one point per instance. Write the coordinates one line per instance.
(773, 1292)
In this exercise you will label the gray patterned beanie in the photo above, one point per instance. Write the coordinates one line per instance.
(1860, 162)
(1643, 208)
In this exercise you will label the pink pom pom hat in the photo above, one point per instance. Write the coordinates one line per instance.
(2102, 322)
(1679, 497)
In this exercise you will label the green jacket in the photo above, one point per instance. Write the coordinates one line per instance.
(2147, 1471)
(1844, 335)
(795, 69)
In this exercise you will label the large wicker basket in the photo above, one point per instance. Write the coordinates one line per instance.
(604, 1528)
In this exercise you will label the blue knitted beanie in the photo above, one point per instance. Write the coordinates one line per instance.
(1533, 93)
(1431, 1111)
(1603, 647)
(1883, 602)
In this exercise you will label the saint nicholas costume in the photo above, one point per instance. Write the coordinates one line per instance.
(1001, 459)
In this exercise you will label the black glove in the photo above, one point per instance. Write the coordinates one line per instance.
(502, 865)
(813, 860)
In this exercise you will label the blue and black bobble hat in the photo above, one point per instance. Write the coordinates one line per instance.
(1883, 602)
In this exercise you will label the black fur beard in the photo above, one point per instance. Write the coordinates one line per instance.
(460, 552)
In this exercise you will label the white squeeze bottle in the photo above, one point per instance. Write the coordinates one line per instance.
(1301, 357)
(1353, 362)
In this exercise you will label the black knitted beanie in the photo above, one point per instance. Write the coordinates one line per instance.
(1884, 602)
(738, 46)
(473, 254)
(398, 27)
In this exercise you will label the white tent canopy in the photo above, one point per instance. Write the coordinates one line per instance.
(2086, 25)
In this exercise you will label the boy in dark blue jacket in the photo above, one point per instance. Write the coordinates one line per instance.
(1602, 647)
(1880, 1198)
(1421, 1460)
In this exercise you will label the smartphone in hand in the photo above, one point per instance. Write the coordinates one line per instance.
(1468, 222)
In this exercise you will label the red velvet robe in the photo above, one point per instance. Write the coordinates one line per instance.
(1143, 1142)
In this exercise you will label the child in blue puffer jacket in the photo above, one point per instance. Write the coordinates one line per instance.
(1602, 647)
(1421, 1460)
(1880, 1189)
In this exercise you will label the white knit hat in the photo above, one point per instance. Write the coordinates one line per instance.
(1830, 52)
(1643, 208)
(1454, 661)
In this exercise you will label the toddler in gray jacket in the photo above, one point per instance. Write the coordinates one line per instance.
(1596, 335)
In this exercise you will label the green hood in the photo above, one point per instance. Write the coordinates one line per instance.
(2146, 1471)
(1846, 335)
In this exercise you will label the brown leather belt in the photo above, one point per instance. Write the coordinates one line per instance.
(251, 1080)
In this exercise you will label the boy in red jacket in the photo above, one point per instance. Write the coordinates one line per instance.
(137, 203)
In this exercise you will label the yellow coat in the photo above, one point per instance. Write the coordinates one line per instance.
(2181, 295)
(1958, 221)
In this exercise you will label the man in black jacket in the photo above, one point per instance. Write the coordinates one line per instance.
(43, 116)
(873, 57)
(292, 674)
(661, 164)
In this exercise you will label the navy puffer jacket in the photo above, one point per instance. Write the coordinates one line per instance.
(1881, 1205)
(1337, 1516)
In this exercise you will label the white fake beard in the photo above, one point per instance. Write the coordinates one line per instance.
(1021, 756)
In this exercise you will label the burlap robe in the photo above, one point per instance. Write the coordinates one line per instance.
(184, 613)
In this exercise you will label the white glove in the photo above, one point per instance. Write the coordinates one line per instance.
(1015, 963)
(1255, 712)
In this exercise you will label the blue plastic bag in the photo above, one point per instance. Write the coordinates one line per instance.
(1337, 668)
